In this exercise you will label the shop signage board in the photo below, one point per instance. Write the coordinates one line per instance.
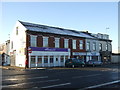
(49, 49)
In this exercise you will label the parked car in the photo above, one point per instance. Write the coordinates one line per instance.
(94, 63)
(73, 62)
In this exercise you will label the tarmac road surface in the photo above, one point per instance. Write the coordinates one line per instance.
(69, 78)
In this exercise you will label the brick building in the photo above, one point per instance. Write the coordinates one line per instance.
(46, 46)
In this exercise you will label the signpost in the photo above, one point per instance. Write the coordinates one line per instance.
(29, 51)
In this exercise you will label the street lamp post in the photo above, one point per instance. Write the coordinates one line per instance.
(107, 45)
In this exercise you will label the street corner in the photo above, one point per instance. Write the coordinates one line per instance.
(12, 68)
(4, 67)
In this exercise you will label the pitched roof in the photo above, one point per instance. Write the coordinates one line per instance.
(54, 30)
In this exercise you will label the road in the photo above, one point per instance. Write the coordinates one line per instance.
(75, 78)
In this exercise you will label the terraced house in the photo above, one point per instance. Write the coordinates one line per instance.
(99, 48)
(46, 46)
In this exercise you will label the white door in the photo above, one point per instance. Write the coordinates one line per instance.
(56, 61)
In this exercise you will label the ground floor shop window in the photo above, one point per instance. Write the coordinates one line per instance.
(88, 57)
(32, 59)
(105, 57)
(51, 59)
(45, 59)
(66, 57)
(39, 59)
(81, 57)
(62, 59)
(94, 57)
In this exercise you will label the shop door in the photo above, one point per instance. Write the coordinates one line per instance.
(51, 61)
(56, 61)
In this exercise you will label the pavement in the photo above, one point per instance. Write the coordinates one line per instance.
(102, 68)
(19, 68)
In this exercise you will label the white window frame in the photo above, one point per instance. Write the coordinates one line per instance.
(81, 44)
(106, 46)
(45, 41)
(65, 43)
(74, 44)
(57, 42)
(100, 46)
(33, 40)
(94, 46)
(88, 46)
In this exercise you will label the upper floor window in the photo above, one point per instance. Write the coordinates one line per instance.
(74, 44)
(16, 30)
(65, 43)
(94, 46)
(100, 46)
(33, 40)
(57, 42)
(81, 44)
(106, 46)
(88, 45)
(45, 41)
(110, 47)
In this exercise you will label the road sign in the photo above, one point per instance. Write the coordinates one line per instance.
(29, 50)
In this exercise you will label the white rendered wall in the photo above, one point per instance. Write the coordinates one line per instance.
(91, 44)
(19, 43)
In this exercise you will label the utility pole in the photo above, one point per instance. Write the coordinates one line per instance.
(107, 56)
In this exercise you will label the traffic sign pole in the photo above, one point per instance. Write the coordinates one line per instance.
(29, 51)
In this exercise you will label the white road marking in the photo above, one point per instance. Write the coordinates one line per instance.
(104, 84)
(87, 76)
(25, 78)
(29, 83)
(56, 85)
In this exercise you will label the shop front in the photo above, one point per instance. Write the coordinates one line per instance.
(92, 56)
(80, 55)
(48, 57)
(105, 56)
(86, 56)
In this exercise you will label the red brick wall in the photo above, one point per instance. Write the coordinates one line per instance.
(51, 41)
(39, 41)
(27, 45)
(78, 47)
(61, 42)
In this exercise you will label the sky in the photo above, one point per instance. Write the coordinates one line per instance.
(94, 17)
